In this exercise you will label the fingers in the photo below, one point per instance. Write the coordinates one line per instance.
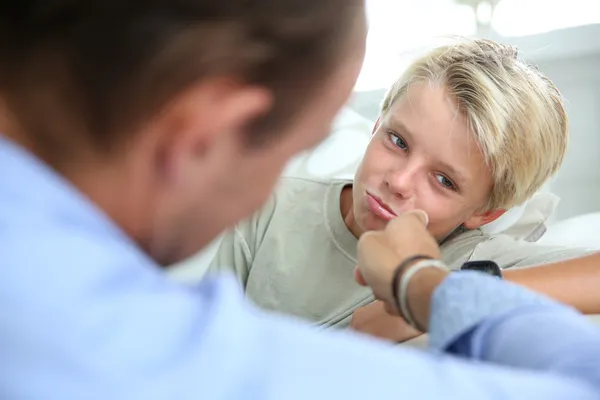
(375, 239)
(374, 254)
(372, 242)
(380, 252)
(418, 217)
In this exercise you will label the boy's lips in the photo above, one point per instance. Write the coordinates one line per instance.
(379, 208)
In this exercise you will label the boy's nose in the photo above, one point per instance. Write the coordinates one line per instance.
(401, 183)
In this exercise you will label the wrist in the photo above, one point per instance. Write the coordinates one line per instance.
(399, 271)
(415, 280)
(419, 293)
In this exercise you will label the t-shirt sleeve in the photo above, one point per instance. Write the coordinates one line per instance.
(239, 244)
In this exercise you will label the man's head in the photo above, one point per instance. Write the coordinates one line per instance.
(176, 116)
(467, 132)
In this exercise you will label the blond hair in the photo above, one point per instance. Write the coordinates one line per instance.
(516, 113)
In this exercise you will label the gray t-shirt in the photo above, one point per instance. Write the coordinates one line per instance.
(296, 256)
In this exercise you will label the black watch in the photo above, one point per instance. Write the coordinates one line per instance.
(485, 266)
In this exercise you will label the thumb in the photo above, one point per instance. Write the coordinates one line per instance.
(421, 215)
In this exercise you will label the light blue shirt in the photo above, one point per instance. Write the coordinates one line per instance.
(86, 315)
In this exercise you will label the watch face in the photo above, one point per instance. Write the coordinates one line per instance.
(489, 267)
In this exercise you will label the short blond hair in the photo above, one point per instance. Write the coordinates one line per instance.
(515, 112)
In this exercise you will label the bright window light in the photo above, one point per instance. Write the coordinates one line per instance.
(396, 28)
(484, 12)
(530, 17)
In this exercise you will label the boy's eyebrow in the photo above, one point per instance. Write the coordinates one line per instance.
(458, 175)
(397, 124)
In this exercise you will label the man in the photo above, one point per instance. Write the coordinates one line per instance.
(132, 133)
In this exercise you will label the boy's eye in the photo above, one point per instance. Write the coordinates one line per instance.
(398, 141)
(445, 182)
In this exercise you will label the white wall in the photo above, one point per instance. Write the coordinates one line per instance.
(571, 58)
(578, 182)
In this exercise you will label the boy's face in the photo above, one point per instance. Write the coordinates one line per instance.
(422, 155)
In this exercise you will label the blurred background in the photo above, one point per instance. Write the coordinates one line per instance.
(561, 36)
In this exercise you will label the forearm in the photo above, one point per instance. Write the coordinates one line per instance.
(450, 305)
(542, 338)
(574, 282)
(482, 317)
(419, 293)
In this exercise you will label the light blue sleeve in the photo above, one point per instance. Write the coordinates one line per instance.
(484, 318)
(130, 335)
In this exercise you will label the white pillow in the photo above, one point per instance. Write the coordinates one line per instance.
(528, 221)
(579, 231)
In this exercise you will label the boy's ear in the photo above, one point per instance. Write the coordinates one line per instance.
(481, 219)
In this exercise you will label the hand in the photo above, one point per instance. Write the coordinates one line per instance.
(381, 252)
(373, 320)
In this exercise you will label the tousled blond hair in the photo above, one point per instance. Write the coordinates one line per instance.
(516, 113)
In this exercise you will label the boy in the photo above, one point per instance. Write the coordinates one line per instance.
(461, 135)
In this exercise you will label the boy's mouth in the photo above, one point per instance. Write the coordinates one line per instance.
(379, 208)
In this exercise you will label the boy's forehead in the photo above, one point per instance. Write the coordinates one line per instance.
(430, 104)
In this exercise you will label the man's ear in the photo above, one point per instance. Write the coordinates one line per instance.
(207, 116)
(481, 219)
(219, 107)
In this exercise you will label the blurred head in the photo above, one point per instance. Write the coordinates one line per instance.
(176, 116)
(467, 132)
